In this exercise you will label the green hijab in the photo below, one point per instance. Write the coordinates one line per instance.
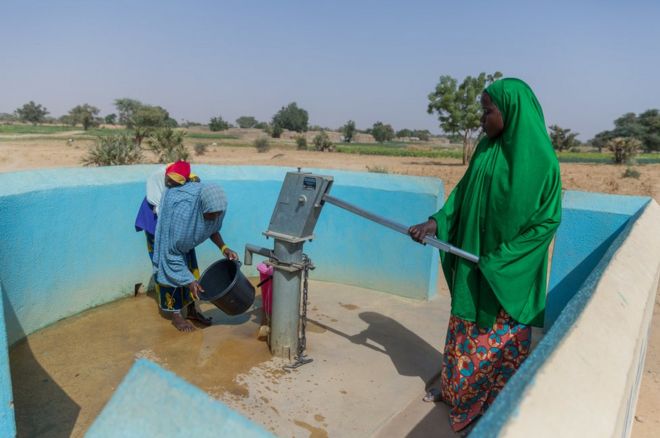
(506, 209)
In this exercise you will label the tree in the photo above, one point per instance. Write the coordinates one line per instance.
(422, 134)
(110, 119)
(167, 143)
(217, 124)
(126, 108)
(458, 106)
(644, 127)
(32, 112)
(146, 119)
(84, 114)
(113, 150)
(563, 139)
(404, 133)
(624, 149)
(292, 118)
(382, 132)
(246, 122)
(349, 131)
(275, 131)
(322, 142)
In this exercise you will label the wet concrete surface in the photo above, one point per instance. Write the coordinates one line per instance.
(373, 354)
(63, 375)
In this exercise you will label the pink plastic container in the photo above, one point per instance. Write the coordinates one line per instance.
(265, 272)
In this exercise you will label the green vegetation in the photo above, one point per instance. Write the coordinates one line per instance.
(85, 115)
(322, 142)
(33, 129)
(200, 148)
(246, 122)
(563, 139)
(218, 124)
(32, 112)
(349, 131)
(397, 151)
(377, 169)
(382, 132)
(210, 136)
(459, 108)
(645, 127)
(113, 151)
(290, 117)
(301, 143)
(262, 144)
(167, 143)
(631, 173)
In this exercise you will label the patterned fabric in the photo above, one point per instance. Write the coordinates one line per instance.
(478, 362)
(150, 244)
(181, 227)
(173, 299)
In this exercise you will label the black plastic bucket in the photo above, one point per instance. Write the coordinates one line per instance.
(225, 286)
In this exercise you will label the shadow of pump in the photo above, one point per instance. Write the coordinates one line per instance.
(403, 347)
(42, 407)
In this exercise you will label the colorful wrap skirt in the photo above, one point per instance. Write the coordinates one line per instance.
(170, 298)
(478, 362)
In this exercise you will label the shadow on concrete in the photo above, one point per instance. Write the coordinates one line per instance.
(41, 405)
(435, 423)
(403, 346)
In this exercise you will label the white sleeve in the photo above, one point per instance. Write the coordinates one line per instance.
(156, 188)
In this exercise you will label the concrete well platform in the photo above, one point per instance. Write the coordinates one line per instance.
(373, 354)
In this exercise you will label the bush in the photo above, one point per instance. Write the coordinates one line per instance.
(275, 130)
(113, 150)
(262, 144)
(217, 124)
(322, 142)
(167, 143)
(200, 148)
(631, 173)
(377, 169)
(624, 149)
(301, 143)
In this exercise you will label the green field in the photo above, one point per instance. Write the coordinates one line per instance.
(209, 136)
(397, 150)
(35, 129)
(401, 150)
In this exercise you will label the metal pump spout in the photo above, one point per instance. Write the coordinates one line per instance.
(253, 249)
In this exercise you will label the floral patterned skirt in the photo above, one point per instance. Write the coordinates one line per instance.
(478, 362)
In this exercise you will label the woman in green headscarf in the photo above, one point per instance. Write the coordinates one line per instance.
(505, 209)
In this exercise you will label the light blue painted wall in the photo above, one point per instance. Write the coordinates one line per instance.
(590, 223)
(153, 402)
(69, 242)
(7, 421)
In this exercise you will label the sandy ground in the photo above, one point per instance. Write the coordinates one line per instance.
(33, 153)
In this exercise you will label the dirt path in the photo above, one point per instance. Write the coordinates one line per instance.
(34, 154)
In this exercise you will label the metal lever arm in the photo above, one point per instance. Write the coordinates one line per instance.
(442, 246)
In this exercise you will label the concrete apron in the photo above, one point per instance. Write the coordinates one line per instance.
(373, 354)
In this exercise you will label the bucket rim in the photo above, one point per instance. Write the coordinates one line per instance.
(207, 297)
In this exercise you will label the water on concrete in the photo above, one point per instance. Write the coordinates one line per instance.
(373, 354)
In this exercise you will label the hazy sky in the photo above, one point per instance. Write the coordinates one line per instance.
(588, 61)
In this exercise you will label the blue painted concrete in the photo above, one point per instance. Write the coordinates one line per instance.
(69, 242)
(590, 223)
(507, 401)
(153, 402)
(7, 421)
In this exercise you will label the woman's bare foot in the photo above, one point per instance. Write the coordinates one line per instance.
(181, 324)
(195, 315)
